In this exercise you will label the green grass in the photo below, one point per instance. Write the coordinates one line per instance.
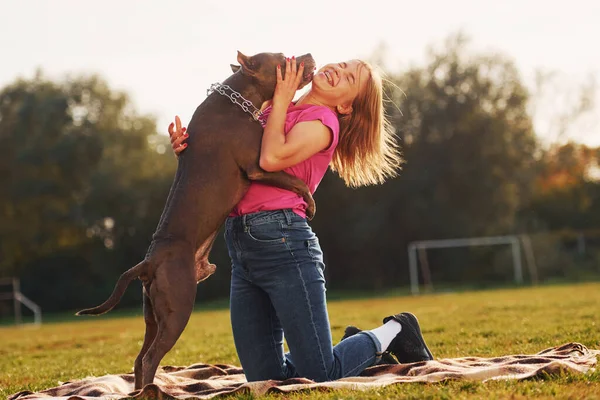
(481, 323)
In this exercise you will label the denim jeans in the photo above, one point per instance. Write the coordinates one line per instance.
(277, 286)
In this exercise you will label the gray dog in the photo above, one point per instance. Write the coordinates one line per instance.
(213, 175)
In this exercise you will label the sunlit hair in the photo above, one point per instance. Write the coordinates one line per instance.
(367, 152)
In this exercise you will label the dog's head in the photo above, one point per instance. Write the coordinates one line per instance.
(262, 68)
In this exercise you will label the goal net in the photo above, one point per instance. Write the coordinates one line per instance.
(417, 255)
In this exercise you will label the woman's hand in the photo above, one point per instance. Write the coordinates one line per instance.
(178, 136)
(286, 88)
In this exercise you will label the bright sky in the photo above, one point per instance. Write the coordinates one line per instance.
(165, 54)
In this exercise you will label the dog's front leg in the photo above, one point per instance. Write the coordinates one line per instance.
(204, 269)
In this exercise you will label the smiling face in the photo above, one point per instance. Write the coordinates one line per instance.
(337, 85)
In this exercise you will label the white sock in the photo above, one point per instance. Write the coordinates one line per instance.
(386, 333)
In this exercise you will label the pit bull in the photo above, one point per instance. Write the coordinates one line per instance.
(213, 175)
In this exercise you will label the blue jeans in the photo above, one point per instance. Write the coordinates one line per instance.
(277, 286)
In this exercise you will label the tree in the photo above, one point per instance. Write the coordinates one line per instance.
(41, 188)
(469, 147)
(83, 184)
(566, 191)
(469, 143)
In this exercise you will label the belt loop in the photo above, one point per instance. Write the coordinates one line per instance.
(288, 217)
(244, 223)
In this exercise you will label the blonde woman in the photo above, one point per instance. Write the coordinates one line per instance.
(277, 281)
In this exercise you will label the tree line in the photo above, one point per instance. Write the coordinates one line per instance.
(84, 177)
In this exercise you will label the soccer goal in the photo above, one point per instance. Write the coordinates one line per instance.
(417, 252)
(19, 299)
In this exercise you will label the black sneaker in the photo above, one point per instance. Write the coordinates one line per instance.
(386, 358)
(350, 331)
(408, 346)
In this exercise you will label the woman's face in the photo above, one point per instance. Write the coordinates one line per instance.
(339, 84)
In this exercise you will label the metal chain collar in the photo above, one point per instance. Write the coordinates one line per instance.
(238, 99)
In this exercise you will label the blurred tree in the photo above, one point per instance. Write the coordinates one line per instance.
(83, 184)
(45, 162)
(84, 178)
(469, 148)
(566, 190)
(469, 143)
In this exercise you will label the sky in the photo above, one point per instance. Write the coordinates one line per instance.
(165, 54)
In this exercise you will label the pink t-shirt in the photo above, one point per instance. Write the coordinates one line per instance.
(261, 197)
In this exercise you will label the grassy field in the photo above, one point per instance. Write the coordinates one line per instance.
(485, 323)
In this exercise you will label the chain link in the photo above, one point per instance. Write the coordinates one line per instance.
(235, 98)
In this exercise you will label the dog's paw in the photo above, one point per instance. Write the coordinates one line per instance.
(311, 210)
(204, 271)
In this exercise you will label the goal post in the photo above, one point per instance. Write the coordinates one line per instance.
(423, 245)
(19, 299)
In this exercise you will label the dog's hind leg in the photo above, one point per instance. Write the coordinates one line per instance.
(173, 294)
(151, 330)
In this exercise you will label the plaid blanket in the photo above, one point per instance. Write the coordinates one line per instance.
(203, 381)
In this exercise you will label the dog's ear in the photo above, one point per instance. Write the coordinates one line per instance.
(235, 68)
(245, 63)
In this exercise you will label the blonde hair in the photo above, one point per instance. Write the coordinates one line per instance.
(367, 152)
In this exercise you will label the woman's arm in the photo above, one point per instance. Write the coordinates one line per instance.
(305, 139)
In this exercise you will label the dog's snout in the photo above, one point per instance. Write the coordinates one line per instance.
(306, 57)
(308, 60)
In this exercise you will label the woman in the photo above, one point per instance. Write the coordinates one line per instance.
(277, 282)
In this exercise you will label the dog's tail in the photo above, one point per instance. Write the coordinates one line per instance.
(118, 291)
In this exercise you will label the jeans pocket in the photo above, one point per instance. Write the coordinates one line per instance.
(268, 232)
